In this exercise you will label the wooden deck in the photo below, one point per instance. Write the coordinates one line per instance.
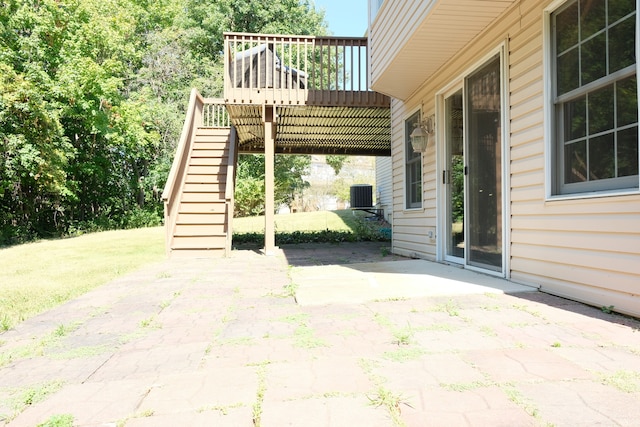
(318, 87)
(282, 94)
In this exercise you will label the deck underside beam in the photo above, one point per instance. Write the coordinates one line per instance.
(316, 129)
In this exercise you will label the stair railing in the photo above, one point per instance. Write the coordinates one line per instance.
(229, 191)
(215, 115)
(171, 193)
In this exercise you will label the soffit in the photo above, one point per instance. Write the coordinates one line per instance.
(446, 28)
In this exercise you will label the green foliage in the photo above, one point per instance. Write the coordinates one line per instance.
(336, 162)
(64, 420)
(249, 195)
(457, 195)
(362, 231)
(92, 102)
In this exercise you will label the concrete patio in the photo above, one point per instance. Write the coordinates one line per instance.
(373, 340)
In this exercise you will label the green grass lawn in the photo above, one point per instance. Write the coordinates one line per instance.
(341, 220)
(38, 276)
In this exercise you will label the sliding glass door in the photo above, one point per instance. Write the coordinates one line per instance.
(472, 173)
(453, 176)
(484, 160)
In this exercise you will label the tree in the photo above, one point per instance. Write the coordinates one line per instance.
(33, 156)
(336, 162)
(92, 100)
(288, 173)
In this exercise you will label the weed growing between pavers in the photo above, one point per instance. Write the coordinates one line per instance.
(294, 318)
(223, 409)
(623, 380)
(261, 371)
(404, 354)
(22, 398)
(382, 396)
(607, 309)
(132, 336)
(515, 325)
(403, 338)
(391, 299)
(488, 331)
(391, 401)
(382, 320)
(84, 351)
(516, 397)
(291, 289)
(525, 308)
(150, 323)
(166, 303)
(229, 316)
(144, 414)
(325, 395)
(38, 347)
(238, 341)
(450, 307)
(60, 420)
(441, 327)
(491, 308)
(163, 275)
(304, 337)
(462, 387)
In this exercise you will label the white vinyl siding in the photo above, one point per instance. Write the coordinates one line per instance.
(410, 227)
(384, 186)
(586, 248)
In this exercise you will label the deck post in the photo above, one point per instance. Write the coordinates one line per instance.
(269, 119)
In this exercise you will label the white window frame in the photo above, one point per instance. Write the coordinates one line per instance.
(552, 171)
(405, 141)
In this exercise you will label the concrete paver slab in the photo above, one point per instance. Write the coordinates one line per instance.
(392, 280)
(393, 342)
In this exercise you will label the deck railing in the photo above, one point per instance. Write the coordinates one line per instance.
(214, 114)
(275, 69)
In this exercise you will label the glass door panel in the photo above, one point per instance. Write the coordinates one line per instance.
(453, 175)
(484, 160)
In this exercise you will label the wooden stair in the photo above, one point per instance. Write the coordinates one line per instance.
(202, 222)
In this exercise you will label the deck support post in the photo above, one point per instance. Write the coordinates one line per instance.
(269, 118)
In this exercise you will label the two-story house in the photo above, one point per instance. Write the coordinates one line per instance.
(529, 112)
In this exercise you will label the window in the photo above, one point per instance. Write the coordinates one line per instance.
(413, 166)
(595, 96)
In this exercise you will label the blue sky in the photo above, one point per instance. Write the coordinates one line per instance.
(345, 17)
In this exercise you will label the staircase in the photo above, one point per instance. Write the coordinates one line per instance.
(199, 192)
